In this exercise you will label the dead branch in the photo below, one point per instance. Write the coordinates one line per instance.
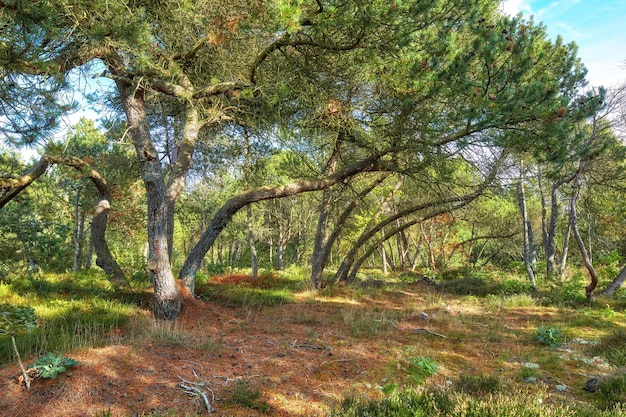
(416, 329)
(193, 389)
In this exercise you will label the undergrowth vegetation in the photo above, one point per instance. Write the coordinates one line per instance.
(458, 344)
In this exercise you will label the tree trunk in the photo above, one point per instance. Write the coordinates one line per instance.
(565, 250)
(326, 251)
(549, 225)
(254, 259)
(616, 283)
(581, 244)
(89, 255)
(76, 232)
(529, 252)
(167, 303)
(318, 257)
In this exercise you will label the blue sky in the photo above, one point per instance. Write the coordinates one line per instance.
(597, 26)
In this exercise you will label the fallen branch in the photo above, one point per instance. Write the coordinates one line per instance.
(192, 388)
(294, 345)
(415, 329)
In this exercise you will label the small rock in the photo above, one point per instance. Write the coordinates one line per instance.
(530, 380)
(591, 385)
(424, 316)
(530, 365)
(561, 387)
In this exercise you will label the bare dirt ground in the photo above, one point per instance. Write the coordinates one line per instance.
(302, 358)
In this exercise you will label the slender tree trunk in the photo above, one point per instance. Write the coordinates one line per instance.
(549, 225)
(565, 250)
(76, 234)
(529, 252)
(318, 257)
(89, 254)
(254, 259)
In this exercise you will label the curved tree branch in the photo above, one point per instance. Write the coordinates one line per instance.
(105, 259)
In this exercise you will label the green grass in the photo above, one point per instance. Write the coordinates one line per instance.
(612, 348)
(450, 404)
(73, 311)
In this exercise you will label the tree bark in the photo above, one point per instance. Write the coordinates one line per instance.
(254, 259)
(76, 231)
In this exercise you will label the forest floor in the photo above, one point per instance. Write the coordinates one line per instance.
(302, 357)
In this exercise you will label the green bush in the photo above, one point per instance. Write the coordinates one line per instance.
(248, 396)
(514, 287)
(611, 392)
(471, 286)
(421, 367)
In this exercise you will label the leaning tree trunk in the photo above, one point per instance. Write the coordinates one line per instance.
(616, 284)
(167, 303)
(326, 250)
(348, 260)
(105, 258)
(579, 240)
(77, 231)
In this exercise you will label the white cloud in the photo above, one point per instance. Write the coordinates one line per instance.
(513, 7)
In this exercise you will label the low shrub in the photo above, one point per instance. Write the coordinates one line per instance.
(51, 365)
(449, 404)
(479, 384)
(476, 286)
(611, 392)
(549, 336)
(612, 348)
